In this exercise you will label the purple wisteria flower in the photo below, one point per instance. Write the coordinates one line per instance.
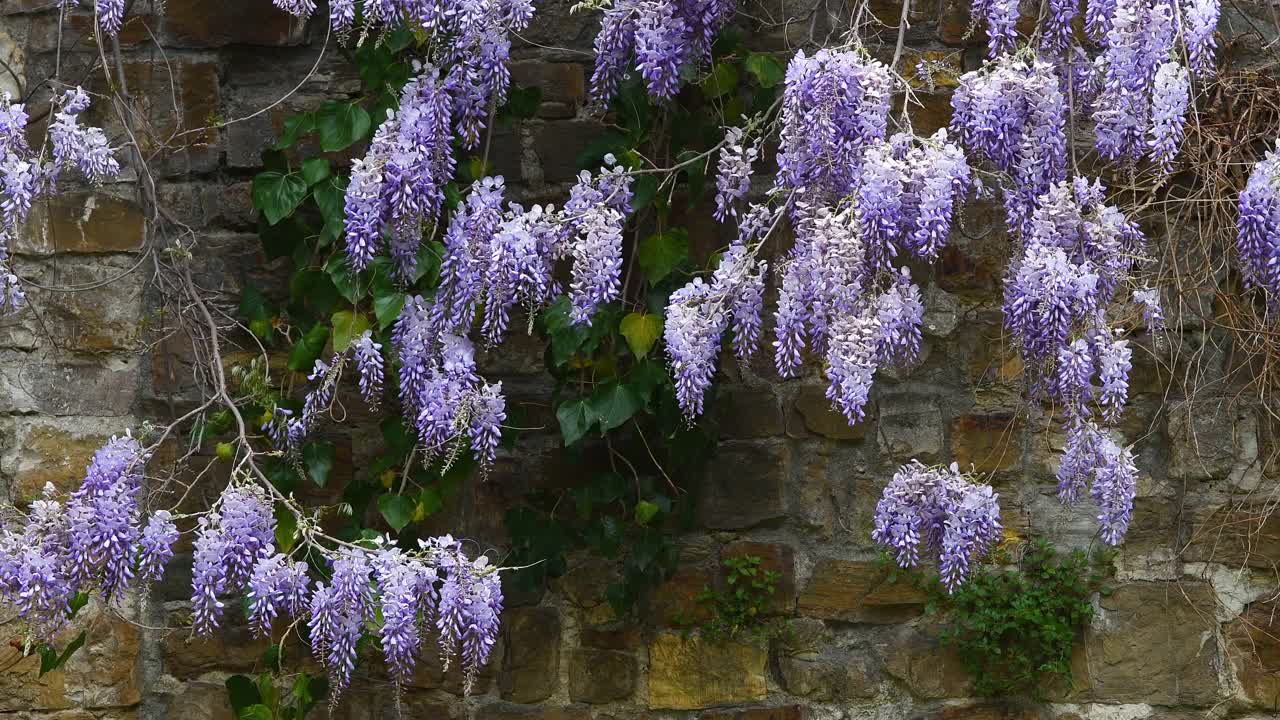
(939, 509)
(733, 176)
(1199, 21)
(1170, 97)
(277, 585)
(835, 105)
(698, 315)
(1152, 308)
(103, 517)
(237, 533)
(369, 363)
(1258, 241)
(156, 545)
(110, 15)
(659, 38)
(1093, 458)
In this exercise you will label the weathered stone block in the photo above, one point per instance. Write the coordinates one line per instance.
(193, 24)
(859, 591)
(816, 415)
(929, 669)
(507, 711)
(1155, 643)
(558, 144)
(676, 601)
(104, 387)
(833, 676)
(782, 712)
(82, 222)
(601, 676)
(1235, 536)
(1204, 438)
(1254, 649)
(988, 443)
(531, 665)
(691, 672)
(745, 486)
(102, 674)
(49, 450)
(748, 413)
(775, 558)
(563, 85)
(910, 426)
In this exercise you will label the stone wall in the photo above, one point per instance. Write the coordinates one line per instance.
(1189, 631)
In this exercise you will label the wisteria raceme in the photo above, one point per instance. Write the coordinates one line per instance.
(156, 545)
(899, 313)
(1115, 483)
(938, 509)
(1169, 99)
(1139, 40)
(661, 46)
(1114, 363)
(1002, 19)
(1152, 309)
(1058, 26)
(277, 586)
(1013, 113)
(232, 538)
(75, 145)
(103, 517)
(853, 354)
(835, 105)
(938, 177)
(25, 176)
(1258, 238)
(733, 176)
(369, 364)
(1199, 21)
(110, 15)
(1075, 255)
(659, 37)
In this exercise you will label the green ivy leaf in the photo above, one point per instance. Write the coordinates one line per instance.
(387, 304)
(286, 534)
(253, 304)
(314, 170)
(242, 692)
(304, 354)
(294, 128)
(397, 510)
(330, 197)
(663, 252)
(522, 103)
(255, 712)
(51, 659)
(612, 405)
(766, 69)
(641, 332)
(277, 195)
(574, 421)
(343, 279)
(318, 456)
(645, 511)
(341, 125)
(722, 80)
(347, 326)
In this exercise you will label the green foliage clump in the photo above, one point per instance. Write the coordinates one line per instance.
(1014, 628)
(740, 608)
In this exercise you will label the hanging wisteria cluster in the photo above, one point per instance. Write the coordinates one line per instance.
(1259, 228)
(97, 540)
(28, 174)
(1077, 255)
(939, 509)
(657, 38)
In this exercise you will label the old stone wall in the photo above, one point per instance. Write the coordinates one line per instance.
(1189, 630)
